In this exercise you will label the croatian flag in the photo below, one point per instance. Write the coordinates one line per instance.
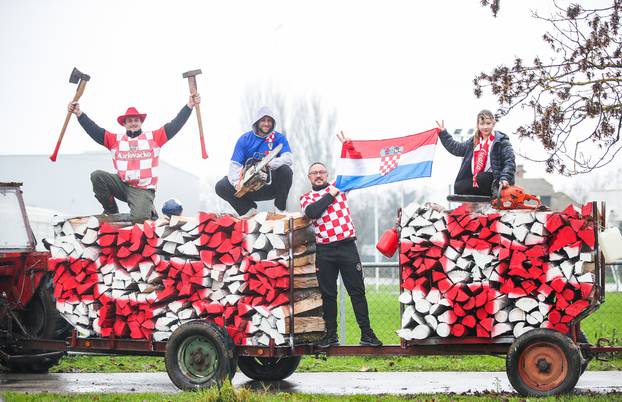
(372, 162)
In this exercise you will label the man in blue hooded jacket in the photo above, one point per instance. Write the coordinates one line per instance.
(255, 144)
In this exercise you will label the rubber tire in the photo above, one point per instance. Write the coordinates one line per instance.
(587, 355)
(569, 349)
(268, 368)
(40, 316)
(233, 361)
(43, 321)
(211, 333)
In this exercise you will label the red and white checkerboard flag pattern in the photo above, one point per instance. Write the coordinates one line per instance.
(270, 140)
(389, 159)
(137, 160)
(335, 223)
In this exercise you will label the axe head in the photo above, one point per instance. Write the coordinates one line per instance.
(191, 73)
(77, 75)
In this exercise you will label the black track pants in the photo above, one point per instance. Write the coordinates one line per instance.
(330, 261)
(278, 190)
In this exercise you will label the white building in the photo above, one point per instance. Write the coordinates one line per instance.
(65, 185)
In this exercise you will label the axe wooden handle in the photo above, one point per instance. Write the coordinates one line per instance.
(76, 97)
(192, 83)
(203, 151)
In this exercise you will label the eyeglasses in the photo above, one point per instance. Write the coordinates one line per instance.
(318, 172)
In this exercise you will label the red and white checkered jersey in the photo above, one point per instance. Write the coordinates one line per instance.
(335, 223)
(136, 160)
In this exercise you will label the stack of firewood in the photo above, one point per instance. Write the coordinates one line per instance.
(144, 280)
(484, 274)
(268, 276)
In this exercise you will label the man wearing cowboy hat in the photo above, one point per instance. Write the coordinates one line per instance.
(255, 144)
(135, 156)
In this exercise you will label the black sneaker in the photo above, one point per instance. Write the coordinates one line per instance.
(368, 338)
(330, 339)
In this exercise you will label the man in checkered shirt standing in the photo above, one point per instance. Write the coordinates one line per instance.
(336, 252)
(135, 156)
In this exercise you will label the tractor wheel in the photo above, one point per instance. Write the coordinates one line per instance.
(543, 362)
(40, 316)
(268, 368)
(197, 356)
(42, 321)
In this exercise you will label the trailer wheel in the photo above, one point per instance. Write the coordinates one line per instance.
(268, 368)
(543, 362)
(197, 356)
(233, 361)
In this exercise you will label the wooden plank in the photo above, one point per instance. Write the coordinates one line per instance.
(305, 281)
(310, 302)
(275, 254)
(302, 236)
(304, 260)
(282, 225)
(305, 269)
(305, 324)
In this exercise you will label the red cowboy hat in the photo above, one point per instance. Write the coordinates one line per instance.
(131, 112)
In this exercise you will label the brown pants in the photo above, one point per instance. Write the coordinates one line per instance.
(108, 186)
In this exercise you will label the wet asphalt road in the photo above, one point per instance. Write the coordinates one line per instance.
(324, 383)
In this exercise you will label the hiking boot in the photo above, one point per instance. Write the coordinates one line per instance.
(368, 338)
(330, 339)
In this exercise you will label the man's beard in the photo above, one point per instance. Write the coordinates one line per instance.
(265, 132)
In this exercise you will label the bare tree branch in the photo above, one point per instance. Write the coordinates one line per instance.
(574, 98)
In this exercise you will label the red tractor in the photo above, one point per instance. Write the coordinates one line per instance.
(27, 306)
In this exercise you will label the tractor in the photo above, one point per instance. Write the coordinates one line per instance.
(27, 305)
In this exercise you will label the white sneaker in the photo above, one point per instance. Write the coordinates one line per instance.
(280, 211)
(251, 212)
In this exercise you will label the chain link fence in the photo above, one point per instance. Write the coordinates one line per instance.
(382, 291)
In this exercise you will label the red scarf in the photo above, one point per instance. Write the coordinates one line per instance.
(480, 156)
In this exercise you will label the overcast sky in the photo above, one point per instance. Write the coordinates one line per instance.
(389, 68)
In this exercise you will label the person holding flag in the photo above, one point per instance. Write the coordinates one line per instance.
(488, 162)
(362, 164)
(366, 163)
(336, 252)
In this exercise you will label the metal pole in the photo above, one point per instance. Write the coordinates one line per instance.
(290, 236)
(376, 256)
(342, 312)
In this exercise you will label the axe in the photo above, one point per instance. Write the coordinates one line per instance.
(76, 77)
(192, 83)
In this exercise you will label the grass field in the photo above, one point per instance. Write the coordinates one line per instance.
(384, 315)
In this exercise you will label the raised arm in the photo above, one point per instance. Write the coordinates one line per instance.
(178, 122)
(92, 129)
(452, 146)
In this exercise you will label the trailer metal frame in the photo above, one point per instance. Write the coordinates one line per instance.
(427, 347)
